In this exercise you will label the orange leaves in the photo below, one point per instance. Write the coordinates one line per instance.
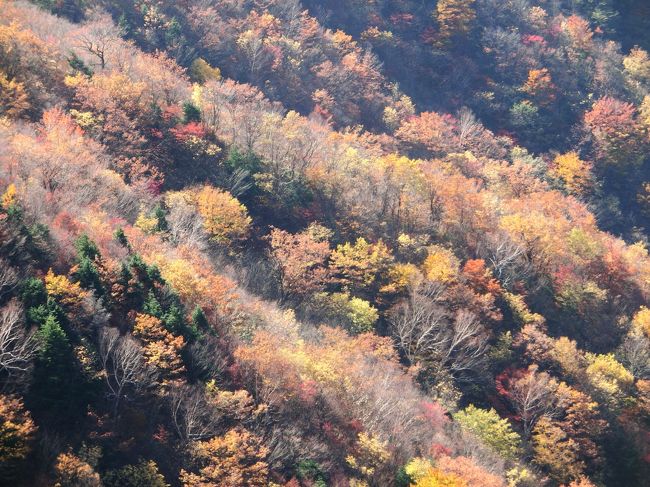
(539, 85)
(480, 278)
(579, 32)
(429, 131)
(73, 471)
(618, 135)
(161, 349)
(237, 458)
(16, 430)
(300, 261)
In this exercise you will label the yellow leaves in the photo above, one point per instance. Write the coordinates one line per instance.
(14, 100)
(9, 196)
(16, 430)
(370, 455)
(641, 321)
(66, 292)
(556, 451)
(609, 377)
(644, 112)
(637, 65)
(520, 310)
(401, 277)
(202, 72)
(224, 217)
(455, 18)
(341, 38)
(359, 265)
(72, 471)
(437, 478)
(441, 265)
(573, 172)
(418, 468)
(148, 224)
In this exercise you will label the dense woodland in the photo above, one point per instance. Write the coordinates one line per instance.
(346, 243)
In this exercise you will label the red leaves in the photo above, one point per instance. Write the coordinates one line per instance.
(183, 133)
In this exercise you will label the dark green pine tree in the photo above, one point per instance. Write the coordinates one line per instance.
(86, 248)
(199, 320)
(88, 276)
(57, 393)
(152, 306)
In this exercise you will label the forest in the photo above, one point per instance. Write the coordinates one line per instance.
(325, 243)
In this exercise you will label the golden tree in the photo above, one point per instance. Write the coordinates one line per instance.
(237, 458)
(16, 431)
(455, 18)
(225, 218)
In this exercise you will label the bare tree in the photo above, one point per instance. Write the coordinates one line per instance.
(97, 37)
(8, 278)
(635, 355)
(506, 258)
(425, 331)
(207, 359)
(533, 396)
(466, 349)
(419, 324)
(193, 416)
(186, 226)
(17, 345)
(124, 364)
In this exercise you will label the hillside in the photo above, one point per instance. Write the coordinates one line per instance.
(336, 243)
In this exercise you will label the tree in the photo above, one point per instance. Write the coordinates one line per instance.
(161, 348)
(300, 262)
(556, 452)
(468, 471)
(143, 474)
(637, 66)
(201, 71)
(66, 292)
(72, 471)
(611, 381)
(540, 87)
(573, 172)
(339, 309)
(531, 393)
(16, 433)
(619, 138)
(583, 424)
(225, 219)
(493, 431)
(428, 132)
(57, 389)
(17, 346)
(369, 458)
(427, 332)
(441, 265)
(434, 477)
(455, 19)
(360, 267)
(14, 99)
(237, 458)
(124, 365)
